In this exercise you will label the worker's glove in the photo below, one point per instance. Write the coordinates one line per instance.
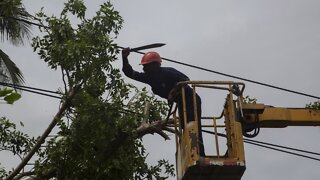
(125, 52)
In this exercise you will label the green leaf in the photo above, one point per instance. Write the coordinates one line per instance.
(12, 98)
(5, 92)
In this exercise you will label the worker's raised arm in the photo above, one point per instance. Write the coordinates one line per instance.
(126, 67)
(128, 70)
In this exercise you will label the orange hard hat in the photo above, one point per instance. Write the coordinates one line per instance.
(151, 57)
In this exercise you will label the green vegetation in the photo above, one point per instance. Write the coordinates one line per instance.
(99, 126)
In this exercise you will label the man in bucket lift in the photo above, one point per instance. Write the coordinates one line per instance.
(163, 81)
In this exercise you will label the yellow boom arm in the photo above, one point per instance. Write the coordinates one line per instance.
(275, 117)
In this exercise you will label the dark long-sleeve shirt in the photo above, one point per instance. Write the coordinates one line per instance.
(162, 81)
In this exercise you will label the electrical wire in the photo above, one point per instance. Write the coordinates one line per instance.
(28, 87)
(274, 147)
(27, 22)
(284, 147)
(284, 151)
(237, 77)
(33, 90)
(204, 69)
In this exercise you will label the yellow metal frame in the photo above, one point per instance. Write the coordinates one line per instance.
(238, 118)
(277, 117)
(218, 167)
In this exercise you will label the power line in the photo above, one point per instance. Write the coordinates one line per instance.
(205, 69)
(284, 151)
(29, 22)
(28, 87)
(26, 21)
(274, 147)
(34, 90)
(237, 77)
(284, 147)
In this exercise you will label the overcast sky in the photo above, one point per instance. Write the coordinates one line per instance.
(271, 41)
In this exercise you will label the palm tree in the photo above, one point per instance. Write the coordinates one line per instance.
(14, 27)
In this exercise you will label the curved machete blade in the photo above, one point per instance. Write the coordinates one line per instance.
(150, 46)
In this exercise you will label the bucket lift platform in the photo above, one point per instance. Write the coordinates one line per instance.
(229, 166)
(215, 169)
(237, 119)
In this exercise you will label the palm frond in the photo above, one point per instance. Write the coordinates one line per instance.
(13, 22)
(15, 74)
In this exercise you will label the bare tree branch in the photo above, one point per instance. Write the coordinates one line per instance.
(154, 127)
(24, 174)
(171, 130)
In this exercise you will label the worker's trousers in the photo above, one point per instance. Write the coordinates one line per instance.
(191, 114)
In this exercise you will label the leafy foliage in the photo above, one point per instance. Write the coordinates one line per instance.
(13, 140)
(97, 137)
(313, 105)
(248, 100)
(9, 95)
